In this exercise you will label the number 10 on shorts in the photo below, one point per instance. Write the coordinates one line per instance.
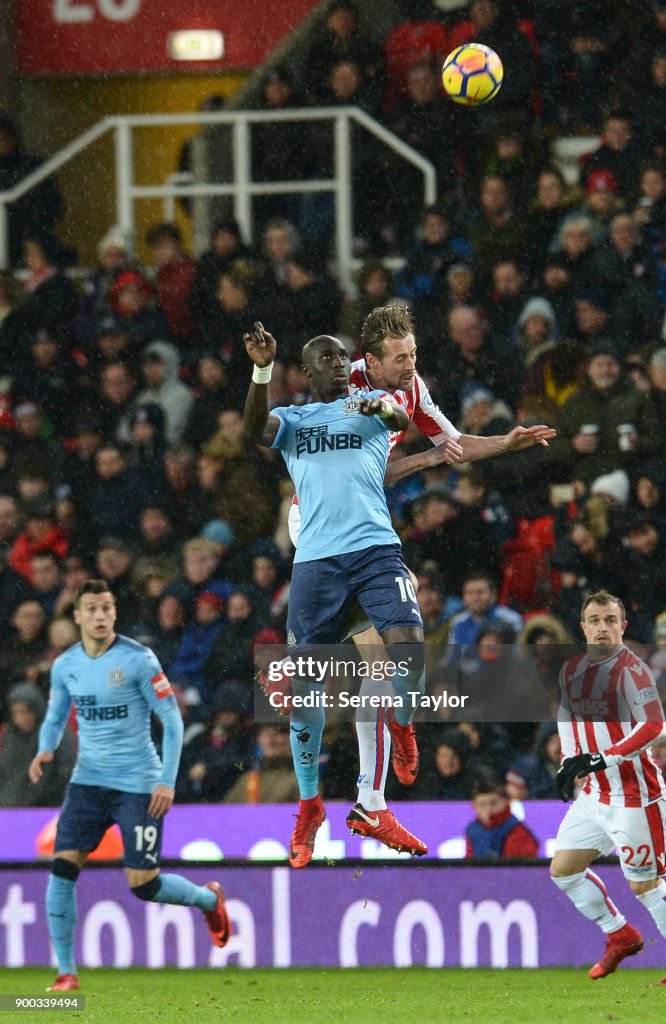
(406, 588)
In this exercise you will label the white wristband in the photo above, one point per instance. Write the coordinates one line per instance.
(386, 410)
(262, 374)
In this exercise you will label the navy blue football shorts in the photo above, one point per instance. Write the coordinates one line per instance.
(322, 590)
(89, 810)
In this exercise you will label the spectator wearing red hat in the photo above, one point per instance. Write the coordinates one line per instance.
(620, 153)
(602, 199)
(131, 298)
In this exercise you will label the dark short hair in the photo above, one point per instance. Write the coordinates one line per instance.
(163, 232)
(92, 587)
(485, 785)
(479, 574)
(392, 321)
(602, 597)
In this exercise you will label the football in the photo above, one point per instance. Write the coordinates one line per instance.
(472, 74)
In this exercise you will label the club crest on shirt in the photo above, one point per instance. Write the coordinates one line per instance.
(351, 406)
(116, 677)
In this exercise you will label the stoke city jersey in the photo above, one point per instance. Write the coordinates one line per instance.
(417, 403)
(337, 460)
(611, 706)
(114, 694)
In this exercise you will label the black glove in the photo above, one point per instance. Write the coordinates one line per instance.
(573, 768)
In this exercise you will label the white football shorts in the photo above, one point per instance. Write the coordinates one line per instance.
(635, 833)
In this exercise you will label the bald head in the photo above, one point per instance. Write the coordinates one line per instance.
(326, 364)
(316, 345)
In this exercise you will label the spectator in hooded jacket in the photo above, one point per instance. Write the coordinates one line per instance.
(22, 652)
(161, 364)
(18, 746)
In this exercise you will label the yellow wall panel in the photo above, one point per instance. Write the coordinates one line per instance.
(61, 109)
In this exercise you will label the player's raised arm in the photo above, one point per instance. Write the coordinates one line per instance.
(259, 425)
(477, 448)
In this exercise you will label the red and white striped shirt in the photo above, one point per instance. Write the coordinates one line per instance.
(613, 707)
(417, 402)
(420, 408)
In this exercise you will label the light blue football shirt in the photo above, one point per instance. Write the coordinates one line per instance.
(114, 695)
(337, 460)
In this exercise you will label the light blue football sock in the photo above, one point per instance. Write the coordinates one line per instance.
(305, 733)
(61, 917)
(179, 890)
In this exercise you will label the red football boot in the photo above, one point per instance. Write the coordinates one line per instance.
(217, 920)
(384, 826)
(65, 983)
(311, 814)
(626, 941)
(404, 752)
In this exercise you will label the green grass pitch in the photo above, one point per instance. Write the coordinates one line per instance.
(361, 996)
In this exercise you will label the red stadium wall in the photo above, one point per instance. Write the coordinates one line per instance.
(75, 37)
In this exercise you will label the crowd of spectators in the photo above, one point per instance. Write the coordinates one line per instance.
(122, 450)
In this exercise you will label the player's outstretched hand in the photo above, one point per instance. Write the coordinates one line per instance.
(376, 407)
(525, 437)
(260, 345)
(577, 767)
(448, 451)
(35, 770)
(161, 801)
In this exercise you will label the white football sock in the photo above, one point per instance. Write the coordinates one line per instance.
(588, 894)
(374, 746)
(654, 900)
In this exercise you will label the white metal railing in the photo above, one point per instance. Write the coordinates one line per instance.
(241, 188)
